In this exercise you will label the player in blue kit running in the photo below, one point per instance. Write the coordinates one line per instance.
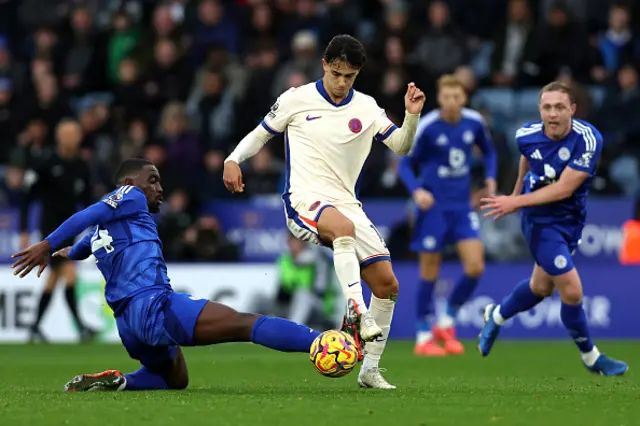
(443, 150)
(153, 321)
(558, 162)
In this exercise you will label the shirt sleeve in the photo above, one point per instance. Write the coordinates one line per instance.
(277, 120)
(586, 152)
(383, 126)
(127, 200)
(484, 142)
(82, 249)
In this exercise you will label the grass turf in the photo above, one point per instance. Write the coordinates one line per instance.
(521, 383)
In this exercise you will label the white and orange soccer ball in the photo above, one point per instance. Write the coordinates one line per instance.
(334, 353)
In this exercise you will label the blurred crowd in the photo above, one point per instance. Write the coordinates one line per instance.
(180, 82)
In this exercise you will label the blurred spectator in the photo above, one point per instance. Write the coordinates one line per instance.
(205, 241)
(183, 150)
(169, 77)
(560, 45)
(84, 66)
(511, 42)
(47, 104)
(263, 175)
(211, 107)
(8, 125)
(214, 25)
(123, 39)
(617, 44)
(441, 49)
(11, 70)
(306, 60)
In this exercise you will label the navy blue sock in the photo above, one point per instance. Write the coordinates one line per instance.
(424, 305)
(575, 320)
(145, 379)
(282, 335)
(521, 299)
(461, 294)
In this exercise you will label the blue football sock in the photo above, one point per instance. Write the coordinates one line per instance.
(461, 294)
(424, 307)
(575, 320)
(521, 299)
(145, 379)
(282, 335)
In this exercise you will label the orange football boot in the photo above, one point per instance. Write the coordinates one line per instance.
(447, 336)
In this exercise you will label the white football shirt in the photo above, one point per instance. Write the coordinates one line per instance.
(326, 144)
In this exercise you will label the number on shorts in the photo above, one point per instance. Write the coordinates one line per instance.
(475, 221)
(379, 236)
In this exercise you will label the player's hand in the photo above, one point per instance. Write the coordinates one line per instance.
(63, 253)
(491, 186)
(36, 255)
(423, 198)
(232, 177)
(414, 99)
(500, 206)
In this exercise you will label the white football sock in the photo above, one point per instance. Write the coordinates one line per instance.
(446, 321)
(423, 337)
(497, 317)
(382, 312)
(591, 357)
(348, 269)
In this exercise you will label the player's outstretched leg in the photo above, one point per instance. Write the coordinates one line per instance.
(219, 323)
(575, 321)
(521, 299)
(384, 287)
(335, 228)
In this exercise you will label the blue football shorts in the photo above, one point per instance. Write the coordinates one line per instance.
(437, 227)
(155, 323)
(552, 245)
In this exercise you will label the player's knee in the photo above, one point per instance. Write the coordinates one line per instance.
(474, 269)
(387, 288)
(541, 289)
(179, 383)
(344, 228)
(571, 295)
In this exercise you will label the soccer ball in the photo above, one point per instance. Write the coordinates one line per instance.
(334, 353)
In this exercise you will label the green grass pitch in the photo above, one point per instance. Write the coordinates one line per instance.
(521, 383)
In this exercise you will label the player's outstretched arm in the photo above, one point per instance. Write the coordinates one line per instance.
(247, 148)
(79, 251)
(569, 181)
(401, 140)
(38, 254)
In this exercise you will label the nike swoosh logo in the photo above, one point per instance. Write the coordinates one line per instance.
(309, 118)
(352, 284)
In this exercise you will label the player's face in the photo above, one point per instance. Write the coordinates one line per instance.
(556, 111)
(339, 77)
(148, 180)
(452, 99)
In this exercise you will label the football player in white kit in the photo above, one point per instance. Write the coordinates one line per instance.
(328, 131)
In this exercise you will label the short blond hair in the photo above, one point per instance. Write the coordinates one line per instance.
(557, 86)
(450, 80)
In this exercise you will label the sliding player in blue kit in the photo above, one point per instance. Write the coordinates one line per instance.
(558, 162)
(443, 149)
(152, 319)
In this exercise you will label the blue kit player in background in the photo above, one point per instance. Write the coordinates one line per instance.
(443, 150)
(558, 162)
(153, 321)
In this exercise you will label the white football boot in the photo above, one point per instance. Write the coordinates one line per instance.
(372, 378)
